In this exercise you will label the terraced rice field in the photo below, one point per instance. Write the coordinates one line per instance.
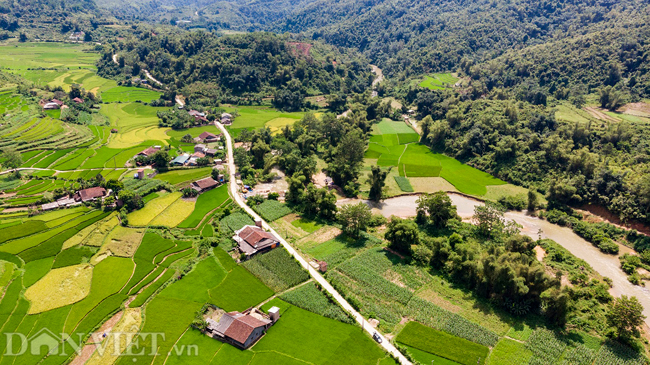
(144, 216)
(126, 94)
(135, 123)
(258, 117)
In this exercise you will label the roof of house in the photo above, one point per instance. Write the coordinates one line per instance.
(196, 113)
(252, 239)
(206, 183)
(210, 151)
(181, 159)
(198, 155)
(92, 193)
(78, 100)
(200, 146)
(226, 115)
(206, 135)
(57, 102)
(242, 326)
(149, 151)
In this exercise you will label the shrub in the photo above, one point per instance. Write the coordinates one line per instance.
(513, 202)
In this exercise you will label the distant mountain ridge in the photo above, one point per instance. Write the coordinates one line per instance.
(406, 37)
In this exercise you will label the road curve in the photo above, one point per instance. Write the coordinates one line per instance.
(314, 274)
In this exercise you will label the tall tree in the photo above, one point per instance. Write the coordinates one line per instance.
(401, 234)
(12, 158)
(377, 180)
(625, 317)
(354, 218)
(346, 160)
(437, 207)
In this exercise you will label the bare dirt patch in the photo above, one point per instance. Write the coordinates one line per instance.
(14, 210)
(97, 336)
(85, 355)
(540, 253)
(636, 109)
(300, 48)
(599, 114)
(438, 300)
(325, 234)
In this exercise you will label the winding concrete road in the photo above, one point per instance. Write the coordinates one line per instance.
(314, 274)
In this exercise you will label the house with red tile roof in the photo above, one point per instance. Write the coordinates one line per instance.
(253, 239)
(90, 194)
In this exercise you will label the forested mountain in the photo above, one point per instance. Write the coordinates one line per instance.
(250, 66)
(236, 15)
(416, 36)
(49, 19)
(572, 67)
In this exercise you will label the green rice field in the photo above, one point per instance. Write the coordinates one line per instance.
(396, 144)
(438, 81)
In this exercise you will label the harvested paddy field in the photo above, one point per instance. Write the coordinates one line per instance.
(60, 287)
(142, 217)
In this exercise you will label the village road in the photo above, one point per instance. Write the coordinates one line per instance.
(314, 274)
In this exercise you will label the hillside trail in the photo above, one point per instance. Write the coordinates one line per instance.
(301, 260)
(380, 77)
(606, 265)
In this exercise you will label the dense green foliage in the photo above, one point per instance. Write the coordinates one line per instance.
(233, 68)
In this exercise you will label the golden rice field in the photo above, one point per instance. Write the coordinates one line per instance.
(59, 288)
(135, 137)
(152, 209)
(174, 214)
(122, 241)
(129, 324)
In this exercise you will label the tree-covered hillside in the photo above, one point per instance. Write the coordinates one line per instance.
(250, 15)
(50, 19)
(418, 36)
(251, 66)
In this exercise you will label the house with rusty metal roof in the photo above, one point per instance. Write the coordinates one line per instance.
(208, 137)
(253, 239)
(204, 184)
(240, 329)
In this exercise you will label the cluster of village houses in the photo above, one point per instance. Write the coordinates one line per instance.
(81, 196)
(240, 329)
(54, 104)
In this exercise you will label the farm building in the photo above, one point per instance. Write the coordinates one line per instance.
(198, 116)
(240, 329)
(208, 137)
(77, 36)
(149, 151)
(180, 160)
(200, 148)
(204, 184)
(253, 239)
(226, 119)
(90, 194)
(51, 106)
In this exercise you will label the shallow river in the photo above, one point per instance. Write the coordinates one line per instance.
(606, 265)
